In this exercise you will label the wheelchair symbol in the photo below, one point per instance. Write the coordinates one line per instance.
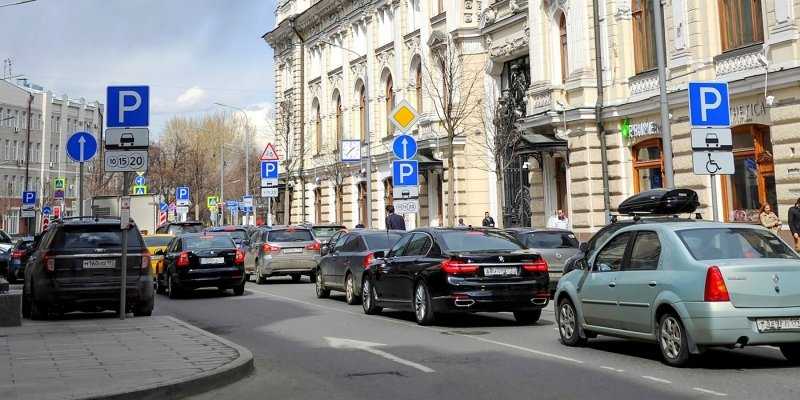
(711, 166)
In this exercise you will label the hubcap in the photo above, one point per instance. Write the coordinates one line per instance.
(671, 342)
(566, 321)
(419, 302)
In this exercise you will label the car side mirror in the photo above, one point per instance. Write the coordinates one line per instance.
(583, 247)
(379, 254)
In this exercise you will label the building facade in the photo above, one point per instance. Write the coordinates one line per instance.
(52, 120)
(337, 61)
(753, 45)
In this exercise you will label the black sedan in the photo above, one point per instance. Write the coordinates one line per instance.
(439, 270)
(199, 260)
(343, 264)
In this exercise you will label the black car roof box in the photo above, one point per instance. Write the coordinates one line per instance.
(661, 202)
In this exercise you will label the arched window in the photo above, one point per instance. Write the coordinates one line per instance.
(562, 29)
(339, 121)
(388, 187)
(362, 105)
(740, 22)
(648, 170)
(389, 103)
(317, 127)
(418, 82)
(644, 39)
(318, 205)
(362, 203)
(339, 204)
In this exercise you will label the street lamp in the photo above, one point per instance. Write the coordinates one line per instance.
(369, 134)
(247, 149)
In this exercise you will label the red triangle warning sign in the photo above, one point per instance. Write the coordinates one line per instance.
(269, 153)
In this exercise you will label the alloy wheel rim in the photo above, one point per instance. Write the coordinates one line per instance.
(566, 321)
(319, 283)
(367, 295)
(349, 288)
(671, 342)
(169, 284)
(419, 302)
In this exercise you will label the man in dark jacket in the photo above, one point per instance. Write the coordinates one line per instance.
(794, 223)
(488, 220)
(394, 221)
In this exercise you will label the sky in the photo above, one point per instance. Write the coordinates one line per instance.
(191, 53)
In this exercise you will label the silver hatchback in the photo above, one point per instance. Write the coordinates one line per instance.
(286, 250)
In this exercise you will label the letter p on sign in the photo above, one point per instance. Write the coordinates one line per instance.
(709, 104)
(128, 106)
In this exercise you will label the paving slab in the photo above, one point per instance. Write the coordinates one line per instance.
(139, 358)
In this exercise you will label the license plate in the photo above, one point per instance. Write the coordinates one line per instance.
(212, 260)
(778, 324)
(297, 250)
(93, 264)
(500, 271)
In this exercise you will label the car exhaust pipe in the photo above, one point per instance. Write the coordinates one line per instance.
(539, 301)
(463, 302)
(741, 342)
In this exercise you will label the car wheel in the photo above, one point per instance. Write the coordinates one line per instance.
(144, 309)
(791, 352)
(172, 291)
(672, 341)
(11, 277)
(239, 290)
(320, 289)
(368, 297)
(350, 290)
(26, 303)
(160, 288)
(527, 317)
(567, 321)
(296, 278)
(39, 309)
(422, 305)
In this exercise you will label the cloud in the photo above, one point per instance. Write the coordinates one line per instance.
(191, 97)
(260, 116)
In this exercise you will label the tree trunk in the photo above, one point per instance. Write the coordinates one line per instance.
(499, 193)
(287, 204)
(451, 188)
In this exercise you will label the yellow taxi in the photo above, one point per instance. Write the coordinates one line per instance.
(154, 243)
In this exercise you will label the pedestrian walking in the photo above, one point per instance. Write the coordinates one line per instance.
(461, 222)
(558, 221)
(794, 223)
(488, 220)
(768, 218)
(394, 221)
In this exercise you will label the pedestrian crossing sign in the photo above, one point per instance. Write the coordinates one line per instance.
(212, 201)
(140, 190)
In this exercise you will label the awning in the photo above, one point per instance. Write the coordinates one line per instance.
(540, 141)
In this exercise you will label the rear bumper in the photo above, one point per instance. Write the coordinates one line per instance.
(223, 277)
(519, 297)
(721, 324)
(286, 264)
(69, 296)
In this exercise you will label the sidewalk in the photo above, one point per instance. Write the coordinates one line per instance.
(139, 358)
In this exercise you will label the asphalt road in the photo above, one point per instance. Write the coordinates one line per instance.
(309, 348)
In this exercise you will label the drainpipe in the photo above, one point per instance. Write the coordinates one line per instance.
(598, 111)
(300, 93)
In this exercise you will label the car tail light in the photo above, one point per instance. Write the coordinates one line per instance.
(17, 254)
(540, 265)
(239, 258)
(183, 259)
(268, 248)
(49, 262)
(454, 267)
(145, 261)
(368, 260)
(314, 246)
(715, 286)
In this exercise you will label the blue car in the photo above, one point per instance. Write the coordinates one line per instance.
(17, 257)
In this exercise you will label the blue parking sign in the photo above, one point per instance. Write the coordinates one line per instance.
(709, 104)
(405, 173)
(128, 106)
(28, 198)
(182, 193)
(269, 170)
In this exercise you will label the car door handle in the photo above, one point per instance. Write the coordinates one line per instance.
(652, 284)
(612, 284)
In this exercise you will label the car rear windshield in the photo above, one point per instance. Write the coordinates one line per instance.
(734, 243)
(94, 237)
(203, 242)
(552, 240)
(479, 241)
(289, 235)
(326, 231)
(237, 235)
(157, 241)
(179, 229)
(380, 241)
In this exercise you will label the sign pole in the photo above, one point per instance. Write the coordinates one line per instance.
(80, 190)
(124, 222)
(269, 210)
(666, 134)
(714, 197)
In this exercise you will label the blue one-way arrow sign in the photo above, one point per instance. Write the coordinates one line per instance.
(404, 147)
(81, 146)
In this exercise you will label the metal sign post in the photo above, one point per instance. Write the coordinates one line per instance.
(124, 224)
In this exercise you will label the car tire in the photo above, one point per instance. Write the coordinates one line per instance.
(791, 352)
(26, 304)
(144, 309)
(160, 288)
(239, 290)
(296, 277)
(172, 291)
(368, 297)
(568, 325)
(527, 317)
(11, 277)
(672, 341)
(39, 309)
(320, 289)
(423, 310)
(350, 290)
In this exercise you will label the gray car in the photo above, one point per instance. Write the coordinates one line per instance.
(556, 246)
(282, 250)
(686, 286)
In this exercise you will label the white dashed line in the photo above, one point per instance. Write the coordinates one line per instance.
(612, 369)
(711, 392)
(654, 379)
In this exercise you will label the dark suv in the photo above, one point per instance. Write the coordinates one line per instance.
(76, 267)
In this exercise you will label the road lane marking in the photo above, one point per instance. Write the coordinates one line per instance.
(612, 369)
(654, 379)
(520, 348)
(711, 392)
(370, 347)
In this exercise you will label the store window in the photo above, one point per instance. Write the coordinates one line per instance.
(740, 23)
(644, 41)
(753, 184)
(648, 169)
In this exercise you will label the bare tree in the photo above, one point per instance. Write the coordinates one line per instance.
(291, 151)
(456, 96)
(335, 170)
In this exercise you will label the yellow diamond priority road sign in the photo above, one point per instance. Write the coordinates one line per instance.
(404, 116)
